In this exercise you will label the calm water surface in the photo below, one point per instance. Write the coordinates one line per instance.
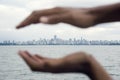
(12, 67)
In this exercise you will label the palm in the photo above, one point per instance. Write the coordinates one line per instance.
(77, 63)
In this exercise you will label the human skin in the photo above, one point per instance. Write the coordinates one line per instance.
(78, 62)
(80, 17)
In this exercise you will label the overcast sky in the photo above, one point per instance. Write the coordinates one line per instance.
(14, 11)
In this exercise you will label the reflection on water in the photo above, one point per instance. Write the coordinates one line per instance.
(12, 66)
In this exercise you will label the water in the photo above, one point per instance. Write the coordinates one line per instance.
(12, 67)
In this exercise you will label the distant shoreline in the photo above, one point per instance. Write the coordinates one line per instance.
(59, 41)
(59, 45)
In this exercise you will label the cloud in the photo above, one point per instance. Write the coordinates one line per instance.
(42, 4)
(10, 16)
(15, 3)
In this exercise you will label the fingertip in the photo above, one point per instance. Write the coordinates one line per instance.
(20, 53)
(17, 27)
(28, 53)
(21, 25)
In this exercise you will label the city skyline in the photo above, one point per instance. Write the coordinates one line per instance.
(55, 40)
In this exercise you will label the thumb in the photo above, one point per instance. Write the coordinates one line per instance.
(54, 19)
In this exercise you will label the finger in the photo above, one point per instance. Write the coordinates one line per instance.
(27, 58)
(34, 17)
(53, 19)
(38, 56)
(32, 56)
(29, 20)
(56, 10)
(28, 54)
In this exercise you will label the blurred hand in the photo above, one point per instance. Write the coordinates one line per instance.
(77, 62)
(74, 16)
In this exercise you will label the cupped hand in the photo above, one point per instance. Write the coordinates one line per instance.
(77, 62)
(80, 17)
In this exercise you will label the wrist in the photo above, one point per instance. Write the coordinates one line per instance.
(88, 68)
(103, 14)
(96, 71)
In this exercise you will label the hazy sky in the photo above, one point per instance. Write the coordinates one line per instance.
(14, 11)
